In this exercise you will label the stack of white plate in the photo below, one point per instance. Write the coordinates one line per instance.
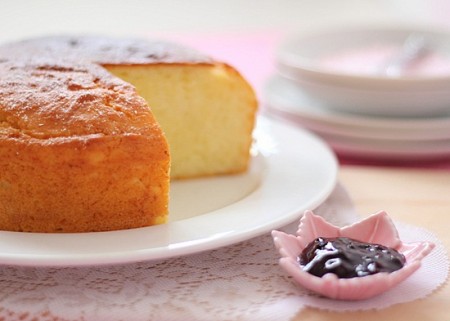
(371, 115)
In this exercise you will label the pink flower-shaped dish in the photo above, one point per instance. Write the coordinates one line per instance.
(377, 228)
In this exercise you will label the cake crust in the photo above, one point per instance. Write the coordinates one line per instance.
(104, 50)
(58, 99)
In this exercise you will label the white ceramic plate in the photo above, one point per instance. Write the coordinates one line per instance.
(316, 62)
(284, 96)
(372, 149)
(292, 171)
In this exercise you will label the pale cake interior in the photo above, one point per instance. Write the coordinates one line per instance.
(203, 110)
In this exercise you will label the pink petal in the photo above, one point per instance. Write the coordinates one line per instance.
(377, 228)
(416, 251)
(314, 226)
(286, 244)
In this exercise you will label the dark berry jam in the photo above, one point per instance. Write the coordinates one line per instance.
(348, 258)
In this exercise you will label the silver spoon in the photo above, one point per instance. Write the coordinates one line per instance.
(415, 47)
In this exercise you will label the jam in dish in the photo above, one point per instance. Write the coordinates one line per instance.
(348, 258)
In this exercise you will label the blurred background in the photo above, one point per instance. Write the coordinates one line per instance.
(223, 28)
(23, 18)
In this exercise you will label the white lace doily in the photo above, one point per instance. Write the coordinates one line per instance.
(238, 282)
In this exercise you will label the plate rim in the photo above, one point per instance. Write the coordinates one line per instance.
(354, 122)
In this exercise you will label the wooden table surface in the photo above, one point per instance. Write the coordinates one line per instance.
(417, 196)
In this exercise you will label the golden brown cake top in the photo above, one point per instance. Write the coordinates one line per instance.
(46, 100)
(103, 50)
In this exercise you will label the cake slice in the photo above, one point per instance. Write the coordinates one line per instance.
(80, 150)
(206, 109)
